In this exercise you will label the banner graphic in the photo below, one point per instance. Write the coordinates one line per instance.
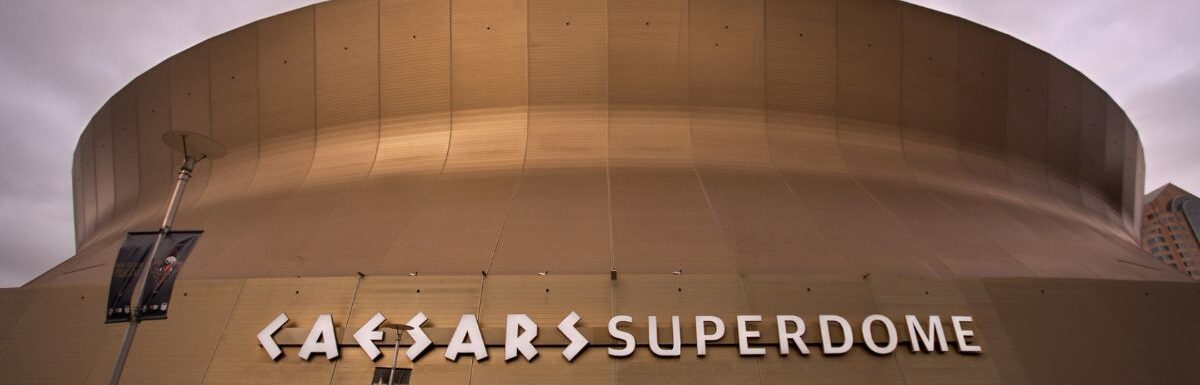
(125, 274)
(156, 294)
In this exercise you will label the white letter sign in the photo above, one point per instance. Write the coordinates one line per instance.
(467, 339)
(321, 339)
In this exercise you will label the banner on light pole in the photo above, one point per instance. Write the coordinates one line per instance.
(164, 268)
(125, 274)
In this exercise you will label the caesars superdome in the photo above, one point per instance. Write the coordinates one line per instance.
(617, 192)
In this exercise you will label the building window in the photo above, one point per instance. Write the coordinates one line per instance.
(382, 374)
(1150, 216)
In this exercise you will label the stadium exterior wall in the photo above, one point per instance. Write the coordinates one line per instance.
(723, 157)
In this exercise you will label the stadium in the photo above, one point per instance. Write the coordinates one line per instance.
(703, 192)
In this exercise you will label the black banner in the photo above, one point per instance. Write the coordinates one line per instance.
(156, 294)
(125, 274)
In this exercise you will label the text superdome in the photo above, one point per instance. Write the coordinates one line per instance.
(879, 333)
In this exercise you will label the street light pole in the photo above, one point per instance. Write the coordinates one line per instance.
(396, 351)
(199, 148)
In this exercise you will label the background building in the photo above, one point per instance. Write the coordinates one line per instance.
(1169, 231)
(725, 157)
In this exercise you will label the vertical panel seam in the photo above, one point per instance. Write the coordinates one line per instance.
(684, 42)
(221, 338)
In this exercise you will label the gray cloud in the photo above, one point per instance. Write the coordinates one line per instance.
(61, 59)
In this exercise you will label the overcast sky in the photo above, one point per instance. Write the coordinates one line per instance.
(60, 60)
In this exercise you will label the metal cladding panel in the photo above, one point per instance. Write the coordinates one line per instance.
(77, 196)
(1131, 188)
(1142, 312)
(760, 219)
(661, 219)
(647, 98)
(1052, 320)
(982, 88)
(489, 86)
(809, 296)
(414, 105)
(457, 227)
(1026, 118)
(233, 73)
(1091, 163)
(662, 222)
(199, 312)
(1064, 132)
(286, 97)
(929, 108)
(1139, 186)
(868, 93)
(126, 160)
(726, 90)
(592, 366)
(414, 86)
(1028, 103)
(346, 102)
(559, 222)
(767, 227)
(68, 318)
(868, 105)
(103, 155)
(568, 77)
(347, 91)
(992, 334)
(1114, 146)
(87, 173)
(238, 359)
(265, 239)
(685, 295)
(188, 75)
(559, 219)
(929, 112)
(722, 365)
(801, 86)
(590, 296)
(1093, 120)
(13, 302)
(876, 124)
(958, 245)
(154, 159)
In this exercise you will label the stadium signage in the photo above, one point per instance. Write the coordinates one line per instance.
(880, 335)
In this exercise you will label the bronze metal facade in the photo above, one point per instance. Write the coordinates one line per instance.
(725, 157)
